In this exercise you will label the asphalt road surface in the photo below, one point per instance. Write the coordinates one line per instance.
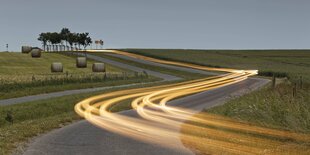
(163, 65)
(84, 138)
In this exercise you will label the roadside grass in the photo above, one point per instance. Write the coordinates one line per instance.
(11, 136)
(272, 107)
(182, 74)
(224, 135)
(62, 82)
(268, 108)
(35, 118)
(293, 63)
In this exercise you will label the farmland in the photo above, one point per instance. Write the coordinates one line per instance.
(17, 64)
(294, 63)
(23, 75)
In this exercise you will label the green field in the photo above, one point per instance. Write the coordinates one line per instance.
(18, 65)
(292, 62)
(21, 75)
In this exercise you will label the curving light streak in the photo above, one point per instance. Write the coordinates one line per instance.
(152, 120)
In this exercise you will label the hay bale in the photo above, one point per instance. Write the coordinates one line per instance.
(56, 67)
(98, 67)
(36, 53)
(26, 49)
(81, 62)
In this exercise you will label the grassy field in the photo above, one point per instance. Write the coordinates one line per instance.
(292, 62)
(17, 65)
(274, 108)
(21, 75)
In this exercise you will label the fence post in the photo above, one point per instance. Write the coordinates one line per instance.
(273, 81)
(9, 117)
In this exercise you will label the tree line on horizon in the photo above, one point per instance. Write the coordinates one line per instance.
(64, 40)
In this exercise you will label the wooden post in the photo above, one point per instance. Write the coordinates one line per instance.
(273, 81)
(9, 117)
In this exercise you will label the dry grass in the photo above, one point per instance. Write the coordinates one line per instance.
(17, 64)
(21, 75)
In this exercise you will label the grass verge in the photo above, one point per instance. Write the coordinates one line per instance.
(64, 82)
(34, 118)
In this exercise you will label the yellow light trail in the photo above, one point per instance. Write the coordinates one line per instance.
(157, 122)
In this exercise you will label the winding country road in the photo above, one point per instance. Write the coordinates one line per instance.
(85, 138)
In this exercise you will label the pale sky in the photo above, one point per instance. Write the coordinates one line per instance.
(194, 24)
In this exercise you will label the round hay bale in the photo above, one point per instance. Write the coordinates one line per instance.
(26, 49)
(56, 67)
(81, 62)
(98, 67)
(36, 53)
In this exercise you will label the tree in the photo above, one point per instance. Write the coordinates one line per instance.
(87, 40)
(48, 39)
(65, 32)
(53, 40)
(43, 38)
(71, 40)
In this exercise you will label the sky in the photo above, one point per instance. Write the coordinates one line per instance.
(183, 24)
